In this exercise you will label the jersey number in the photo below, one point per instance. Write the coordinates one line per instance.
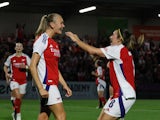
(111, 103)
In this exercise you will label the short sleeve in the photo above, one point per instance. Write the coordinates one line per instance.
(8, 61)
(111, 52)
(28, 60)
(40, 44)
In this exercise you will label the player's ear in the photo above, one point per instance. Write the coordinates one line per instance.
(52, 25)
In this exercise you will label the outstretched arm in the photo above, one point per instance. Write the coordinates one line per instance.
(90, 49)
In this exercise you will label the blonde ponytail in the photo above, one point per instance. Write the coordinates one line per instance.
(42, 26)
(140, 40)
(133, 43)
(45, 22)
(130, 40)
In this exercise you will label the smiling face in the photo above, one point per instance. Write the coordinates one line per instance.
(115, 38)
(57, 24)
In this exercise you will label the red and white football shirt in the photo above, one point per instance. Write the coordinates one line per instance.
(121, 69)
(14, 62)
(48, 49)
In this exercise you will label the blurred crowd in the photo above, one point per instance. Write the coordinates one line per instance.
(77, 65)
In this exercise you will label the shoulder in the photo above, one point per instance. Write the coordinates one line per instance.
(125, 52)
(42, 39)
(25, 55)
(11, 56)
(124, 49)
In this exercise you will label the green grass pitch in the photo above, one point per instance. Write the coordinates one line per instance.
(83, 110)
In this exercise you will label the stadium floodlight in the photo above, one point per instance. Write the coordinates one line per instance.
(158, 15)
(4, 4)
(87, 9)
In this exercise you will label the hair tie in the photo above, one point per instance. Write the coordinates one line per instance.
(46, 17)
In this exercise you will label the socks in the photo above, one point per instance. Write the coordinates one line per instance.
(17, 105)
(103, 100)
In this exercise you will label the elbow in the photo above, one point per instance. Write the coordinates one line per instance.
(91, 52)
(31, 67)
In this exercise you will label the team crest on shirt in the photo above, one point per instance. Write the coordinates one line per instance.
(23, 60)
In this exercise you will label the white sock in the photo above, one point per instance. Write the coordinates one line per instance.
(18, 116)
(13, 98)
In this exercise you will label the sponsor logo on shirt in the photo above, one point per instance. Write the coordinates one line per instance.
(56, 52)
(17, 65)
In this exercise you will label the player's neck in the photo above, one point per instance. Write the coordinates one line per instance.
(18, 54)
(50, 33)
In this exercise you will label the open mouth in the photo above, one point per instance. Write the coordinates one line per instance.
(61, 29)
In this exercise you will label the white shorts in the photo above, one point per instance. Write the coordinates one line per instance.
(22, 88)
(101, 85)
(54, 94)
(118, 107)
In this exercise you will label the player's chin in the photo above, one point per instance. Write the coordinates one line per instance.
(59, 32)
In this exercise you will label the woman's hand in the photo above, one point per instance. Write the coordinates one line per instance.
(73, 36)
(8, 78)
(43, 93)
(68, 91)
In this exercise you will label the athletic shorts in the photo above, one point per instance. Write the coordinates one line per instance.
(118, 107)
(101, 85)
(22, 88)
(54, 94)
